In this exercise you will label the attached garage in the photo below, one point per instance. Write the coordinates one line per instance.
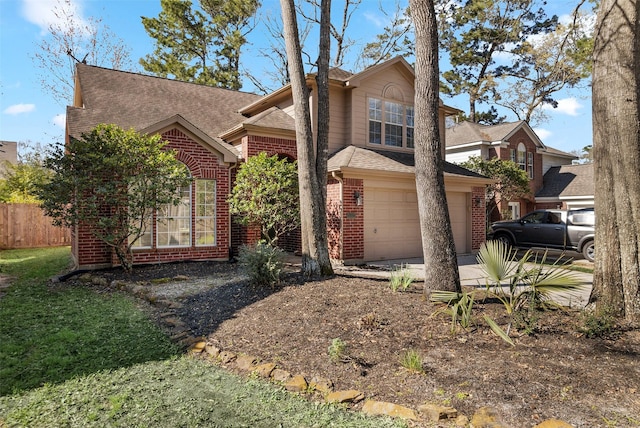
(392, 224)
(376, 191)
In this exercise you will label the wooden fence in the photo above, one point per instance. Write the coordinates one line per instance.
(26, 226)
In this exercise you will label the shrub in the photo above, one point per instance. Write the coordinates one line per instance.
(263, 263)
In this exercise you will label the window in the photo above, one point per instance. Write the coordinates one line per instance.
(173, 223)
(146, 239)
(514, 207)
(410, 118)
(530, 164)
(512, 155)
(375, 121)
(398, 121)
(522, 157)
(205, 228)
(393, 124)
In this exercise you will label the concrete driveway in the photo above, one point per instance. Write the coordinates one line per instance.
(471, 274)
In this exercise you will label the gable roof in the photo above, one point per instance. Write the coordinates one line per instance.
(469, 133)
(567, 181)
(132, 100)
(214, 144)
(273, 118)
(353, 157)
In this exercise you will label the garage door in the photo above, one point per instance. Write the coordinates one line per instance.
(392, 226)
(460, 222)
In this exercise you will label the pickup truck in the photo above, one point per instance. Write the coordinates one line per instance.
(564, 230)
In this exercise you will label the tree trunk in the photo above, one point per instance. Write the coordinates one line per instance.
(311, 167)
(440, 262)
(616, 150)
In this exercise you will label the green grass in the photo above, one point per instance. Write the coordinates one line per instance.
(177, 392)
(49, 336)
(73, 357)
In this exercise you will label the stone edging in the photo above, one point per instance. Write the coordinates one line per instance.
(485, 417)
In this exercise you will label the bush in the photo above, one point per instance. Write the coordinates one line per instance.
(263, 263)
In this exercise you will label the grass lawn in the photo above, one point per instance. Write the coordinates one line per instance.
(72, 357)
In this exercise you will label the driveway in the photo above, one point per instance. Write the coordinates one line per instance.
(471, 275)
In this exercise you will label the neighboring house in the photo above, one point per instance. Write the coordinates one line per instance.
(371, 193)
(8, 153)
(567, 187)
(514, 141)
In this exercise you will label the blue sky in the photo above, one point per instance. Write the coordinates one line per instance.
(29, 114)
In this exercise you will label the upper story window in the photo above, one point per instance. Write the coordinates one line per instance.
(390, 123)
(522, 157)
(530, 164)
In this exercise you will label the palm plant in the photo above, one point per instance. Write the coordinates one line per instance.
(522, 283)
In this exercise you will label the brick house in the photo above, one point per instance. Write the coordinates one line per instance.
(514, 141)
(372, 203)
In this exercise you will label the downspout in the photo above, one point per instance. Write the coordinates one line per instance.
(341, 243)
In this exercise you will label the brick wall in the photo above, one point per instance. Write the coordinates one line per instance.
(478, 218)
(202, 164)
(345, 220)
(251, 146)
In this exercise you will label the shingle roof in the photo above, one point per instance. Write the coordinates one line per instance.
(387, 161)
(567, 180)
(137, 101)
(468, 132)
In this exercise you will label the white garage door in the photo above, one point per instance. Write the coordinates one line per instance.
(392, 227)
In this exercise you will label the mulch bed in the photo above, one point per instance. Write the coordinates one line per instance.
(555, 372)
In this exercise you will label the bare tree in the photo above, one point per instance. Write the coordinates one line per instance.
(396, 39)
(71, 39)
(339, 33)
(312, 164)
(277, 75)
(438, 247)
(616, 152)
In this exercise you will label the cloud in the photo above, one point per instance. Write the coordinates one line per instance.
(54, 13)
(377, 19)
(542, 133)
(19, 109)
(568, 106)
(60, 120)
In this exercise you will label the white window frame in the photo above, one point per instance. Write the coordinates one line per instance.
(205, 212)
(530, 164)
(386, 115)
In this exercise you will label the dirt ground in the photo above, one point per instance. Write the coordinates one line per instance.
(553, 372)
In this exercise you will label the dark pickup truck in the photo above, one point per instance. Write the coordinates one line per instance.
(564, 230)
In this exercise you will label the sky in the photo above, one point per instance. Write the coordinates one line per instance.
(30, 114)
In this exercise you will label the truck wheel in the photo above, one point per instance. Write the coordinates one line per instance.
(504, 239)
(588, 251)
